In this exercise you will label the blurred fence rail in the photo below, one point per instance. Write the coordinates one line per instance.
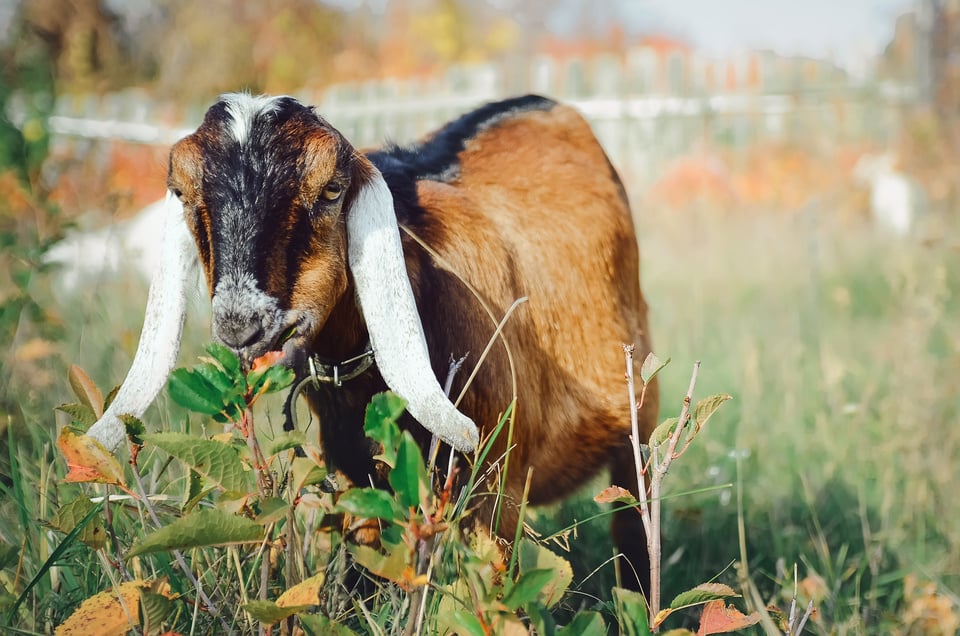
(647, 107)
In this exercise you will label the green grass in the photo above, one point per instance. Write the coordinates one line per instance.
(841, 350)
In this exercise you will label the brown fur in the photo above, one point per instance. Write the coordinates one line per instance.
(536, 210)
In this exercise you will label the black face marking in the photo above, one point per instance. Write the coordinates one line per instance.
(253, 170)
(263, 176)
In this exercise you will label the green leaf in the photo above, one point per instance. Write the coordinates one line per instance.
(540, 618)
(286, 441)
(82, 414)
(216, 461)
(380, 422)
(154, 610)
(107, 401)
(702, 594)
(468, 622)
(134, 427)
(200, 529)
(94, 532)
(631, 610)
(227, 360)
(320, 625)
(651, 367)
(217, 377)
(409, 476)
(584, 623)
(527, 588)
(193, 490)
(194, 392)
(306, 472)
(534, 556)
(663, 431)
(270, 379)
(707, 407)
(268, 612)
(272, 509)
(370, 503)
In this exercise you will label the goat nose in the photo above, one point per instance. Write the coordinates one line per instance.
(238, 333)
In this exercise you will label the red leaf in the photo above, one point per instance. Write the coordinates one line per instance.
(610, 494)
(718, 618)
(267, 360)
(88, 460)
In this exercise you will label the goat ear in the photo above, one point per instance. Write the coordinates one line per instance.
(162, 327)
(386, 300)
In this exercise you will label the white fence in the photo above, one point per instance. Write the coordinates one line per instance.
(645, 108)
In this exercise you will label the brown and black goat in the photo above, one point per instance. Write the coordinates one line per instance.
(397, 259)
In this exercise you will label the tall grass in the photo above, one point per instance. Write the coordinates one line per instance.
(841, 349)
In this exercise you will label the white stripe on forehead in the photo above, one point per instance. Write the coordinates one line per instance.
(244, 108)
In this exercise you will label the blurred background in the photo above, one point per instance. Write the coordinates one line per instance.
(794, 170)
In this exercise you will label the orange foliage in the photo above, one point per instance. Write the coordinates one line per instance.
(126, 179)
(694, 179)
(761, 179)
(927, 610)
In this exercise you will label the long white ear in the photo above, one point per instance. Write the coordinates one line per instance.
(396, 333)
(162, 327)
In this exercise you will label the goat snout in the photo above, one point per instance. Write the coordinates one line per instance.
(239, 332)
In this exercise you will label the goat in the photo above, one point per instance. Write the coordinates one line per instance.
(403, 257)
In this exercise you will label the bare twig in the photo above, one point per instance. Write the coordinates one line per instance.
(806, 616)
(635, 439)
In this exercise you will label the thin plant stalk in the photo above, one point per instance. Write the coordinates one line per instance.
(655, 472)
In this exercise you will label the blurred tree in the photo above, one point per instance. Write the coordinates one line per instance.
(227, 45)
(85, 40)
(945, 64)
(423, 36)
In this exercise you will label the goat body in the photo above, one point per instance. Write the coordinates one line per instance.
(515, 199)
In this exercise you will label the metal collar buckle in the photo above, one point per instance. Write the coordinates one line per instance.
(337, 374)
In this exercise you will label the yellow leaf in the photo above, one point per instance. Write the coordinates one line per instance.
(106, 614)
(306, 592)
(661, 616)
(88, 460)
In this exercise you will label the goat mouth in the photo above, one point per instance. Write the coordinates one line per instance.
(292, 343)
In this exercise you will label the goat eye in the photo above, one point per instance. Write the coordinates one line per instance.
(332, 192)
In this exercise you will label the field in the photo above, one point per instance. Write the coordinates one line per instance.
(838, 453)
(839, 346)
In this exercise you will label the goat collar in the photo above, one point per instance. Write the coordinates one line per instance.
(339, 372)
